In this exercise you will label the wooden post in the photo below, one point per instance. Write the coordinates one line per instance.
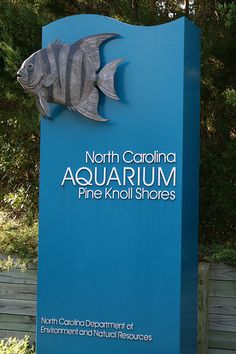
(203, 292)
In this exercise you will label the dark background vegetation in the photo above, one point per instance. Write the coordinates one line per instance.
(20, 36)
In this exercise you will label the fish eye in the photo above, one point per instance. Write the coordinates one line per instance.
(30, 66)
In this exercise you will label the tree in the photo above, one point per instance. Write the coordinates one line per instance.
(218, 124)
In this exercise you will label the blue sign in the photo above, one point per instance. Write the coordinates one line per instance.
(119, 198)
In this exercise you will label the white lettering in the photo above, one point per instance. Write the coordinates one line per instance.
(82, 181)
(161, 176)
(70, 178)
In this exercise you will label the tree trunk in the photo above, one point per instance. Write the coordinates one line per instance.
(187, 8)
(134, 10)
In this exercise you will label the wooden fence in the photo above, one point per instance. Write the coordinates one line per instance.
(18, 303)
(216, 307)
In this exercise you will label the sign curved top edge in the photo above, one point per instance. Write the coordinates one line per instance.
(106, 18)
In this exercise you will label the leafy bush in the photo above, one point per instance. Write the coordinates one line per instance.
(9, 263)
(225, 253)
(16, 346)
(20, 34)
(19, 238)
(19, 162)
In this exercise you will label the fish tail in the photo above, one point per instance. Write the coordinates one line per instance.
(106, 79)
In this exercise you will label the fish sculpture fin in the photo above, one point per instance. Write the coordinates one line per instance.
(106, 79)
(88, 106)
(56, 42)
(90, 46)
(49, 79)
(42, 106)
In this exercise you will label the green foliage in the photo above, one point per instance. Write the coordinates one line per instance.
(230, 96)
(18, 238)
(9, 263)
(16, 346)
(19, 127)
(19, 166)
(225, 253)
(19, 36)
(218, 123)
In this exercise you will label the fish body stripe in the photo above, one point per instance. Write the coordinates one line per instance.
(32, 74)
(45, 61)
(33, 59)
(71, 53)
(46, 66)
(82, 78)
(56, 52)
(54, 69)
(63, 57)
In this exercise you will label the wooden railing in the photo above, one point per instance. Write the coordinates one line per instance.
(216, 307)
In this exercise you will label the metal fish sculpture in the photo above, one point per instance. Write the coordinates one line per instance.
(68, 75)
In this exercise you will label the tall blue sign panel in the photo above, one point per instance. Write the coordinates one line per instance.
(119, 200)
